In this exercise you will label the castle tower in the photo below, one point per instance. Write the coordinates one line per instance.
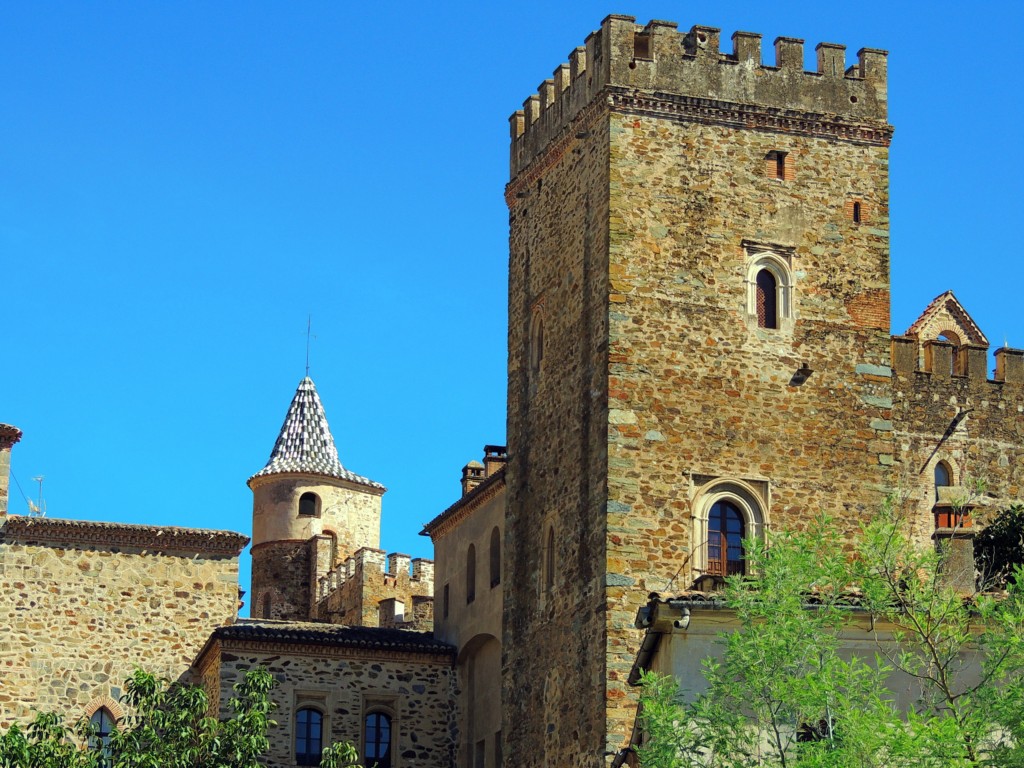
(698, 343)
(308, 514)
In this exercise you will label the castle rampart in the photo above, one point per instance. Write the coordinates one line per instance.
(658, 68)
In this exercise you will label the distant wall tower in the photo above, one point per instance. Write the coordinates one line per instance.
(698, 343)
(309, 513)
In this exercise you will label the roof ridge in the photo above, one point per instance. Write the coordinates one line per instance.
(305, 443)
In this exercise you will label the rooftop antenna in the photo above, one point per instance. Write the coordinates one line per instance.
(309, 325)
(38, 510)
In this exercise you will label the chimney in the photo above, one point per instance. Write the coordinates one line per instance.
(472, 476)
(8, 437)
(495, 457)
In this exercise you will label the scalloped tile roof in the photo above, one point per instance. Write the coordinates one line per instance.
(305, 443)
(334, 634)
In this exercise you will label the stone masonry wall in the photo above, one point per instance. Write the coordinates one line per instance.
(344, 684)
(281, 573)
(554, 637)
(354, 591)
(634, 225)
(974, 425)
(76, 620)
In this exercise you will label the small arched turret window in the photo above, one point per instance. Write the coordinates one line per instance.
(266, 607)
(309, 505)
(955, 354)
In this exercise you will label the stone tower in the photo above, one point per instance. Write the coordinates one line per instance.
(699, 343)
(309, 512)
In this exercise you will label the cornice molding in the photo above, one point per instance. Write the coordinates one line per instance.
(334, 651)
(86, 533)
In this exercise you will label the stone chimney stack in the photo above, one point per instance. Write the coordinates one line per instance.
(472, 476)
(495, 457)
(8, 437)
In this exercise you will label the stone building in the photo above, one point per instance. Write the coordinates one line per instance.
(698, 350)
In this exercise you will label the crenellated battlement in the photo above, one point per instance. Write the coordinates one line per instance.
(964, 362)
(367, 564)
(658, 69)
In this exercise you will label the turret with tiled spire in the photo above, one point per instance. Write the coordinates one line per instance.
(309, 512)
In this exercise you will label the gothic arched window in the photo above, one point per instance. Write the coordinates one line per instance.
(102, 723)
(943, 477)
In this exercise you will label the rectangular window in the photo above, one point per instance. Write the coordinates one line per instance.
(479, 752)
(444, 602)
(497, 750)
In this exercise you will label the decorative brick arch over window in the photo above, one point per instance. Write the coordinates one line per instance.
(769, 288)
(725, 511)
(107, 703)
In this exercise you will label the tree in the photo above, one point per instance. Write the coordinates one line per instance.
(784, 695)
(169, 727)
(999, 548)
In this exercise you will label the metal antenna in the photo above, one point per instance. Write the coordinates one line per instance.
(309, 325)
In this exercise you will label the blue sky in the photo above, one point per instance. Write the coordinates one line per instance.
(183, 183)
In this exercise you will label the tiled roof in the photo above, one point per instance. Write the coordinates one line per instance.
(374, 638)
(305, 443)
(163, 538)
(949, 302)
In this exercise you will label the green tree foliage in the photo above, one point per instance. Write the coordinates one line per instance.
(999, 548)
(783, 694)
(168, 727)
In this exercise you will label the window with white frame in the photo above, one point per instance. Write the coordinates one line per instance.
(769, 289)
(726, 512)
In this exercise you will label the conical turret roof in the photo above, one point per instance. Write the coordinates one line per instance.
(305, 443)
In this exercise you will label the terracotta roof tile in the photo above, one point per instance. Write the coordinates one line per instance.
(380, 638)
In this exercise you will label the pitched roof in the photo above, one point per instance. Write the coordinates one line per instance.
(312, 633)
(946, 303)
(305, 443)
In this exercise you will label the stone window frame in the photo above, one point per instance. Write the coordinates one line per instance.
(778, 260)
(381, 702)
(751, 503)
(315, 700)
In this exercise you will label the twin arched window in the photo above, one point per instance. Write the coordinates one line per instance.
(309, 737)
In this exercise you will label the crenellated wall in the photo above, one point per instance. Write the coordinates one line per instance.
(687, 71)
(946, 409)
(351, 593)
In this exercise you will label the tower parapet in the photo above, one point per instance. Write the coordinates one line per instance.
(675, 72)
